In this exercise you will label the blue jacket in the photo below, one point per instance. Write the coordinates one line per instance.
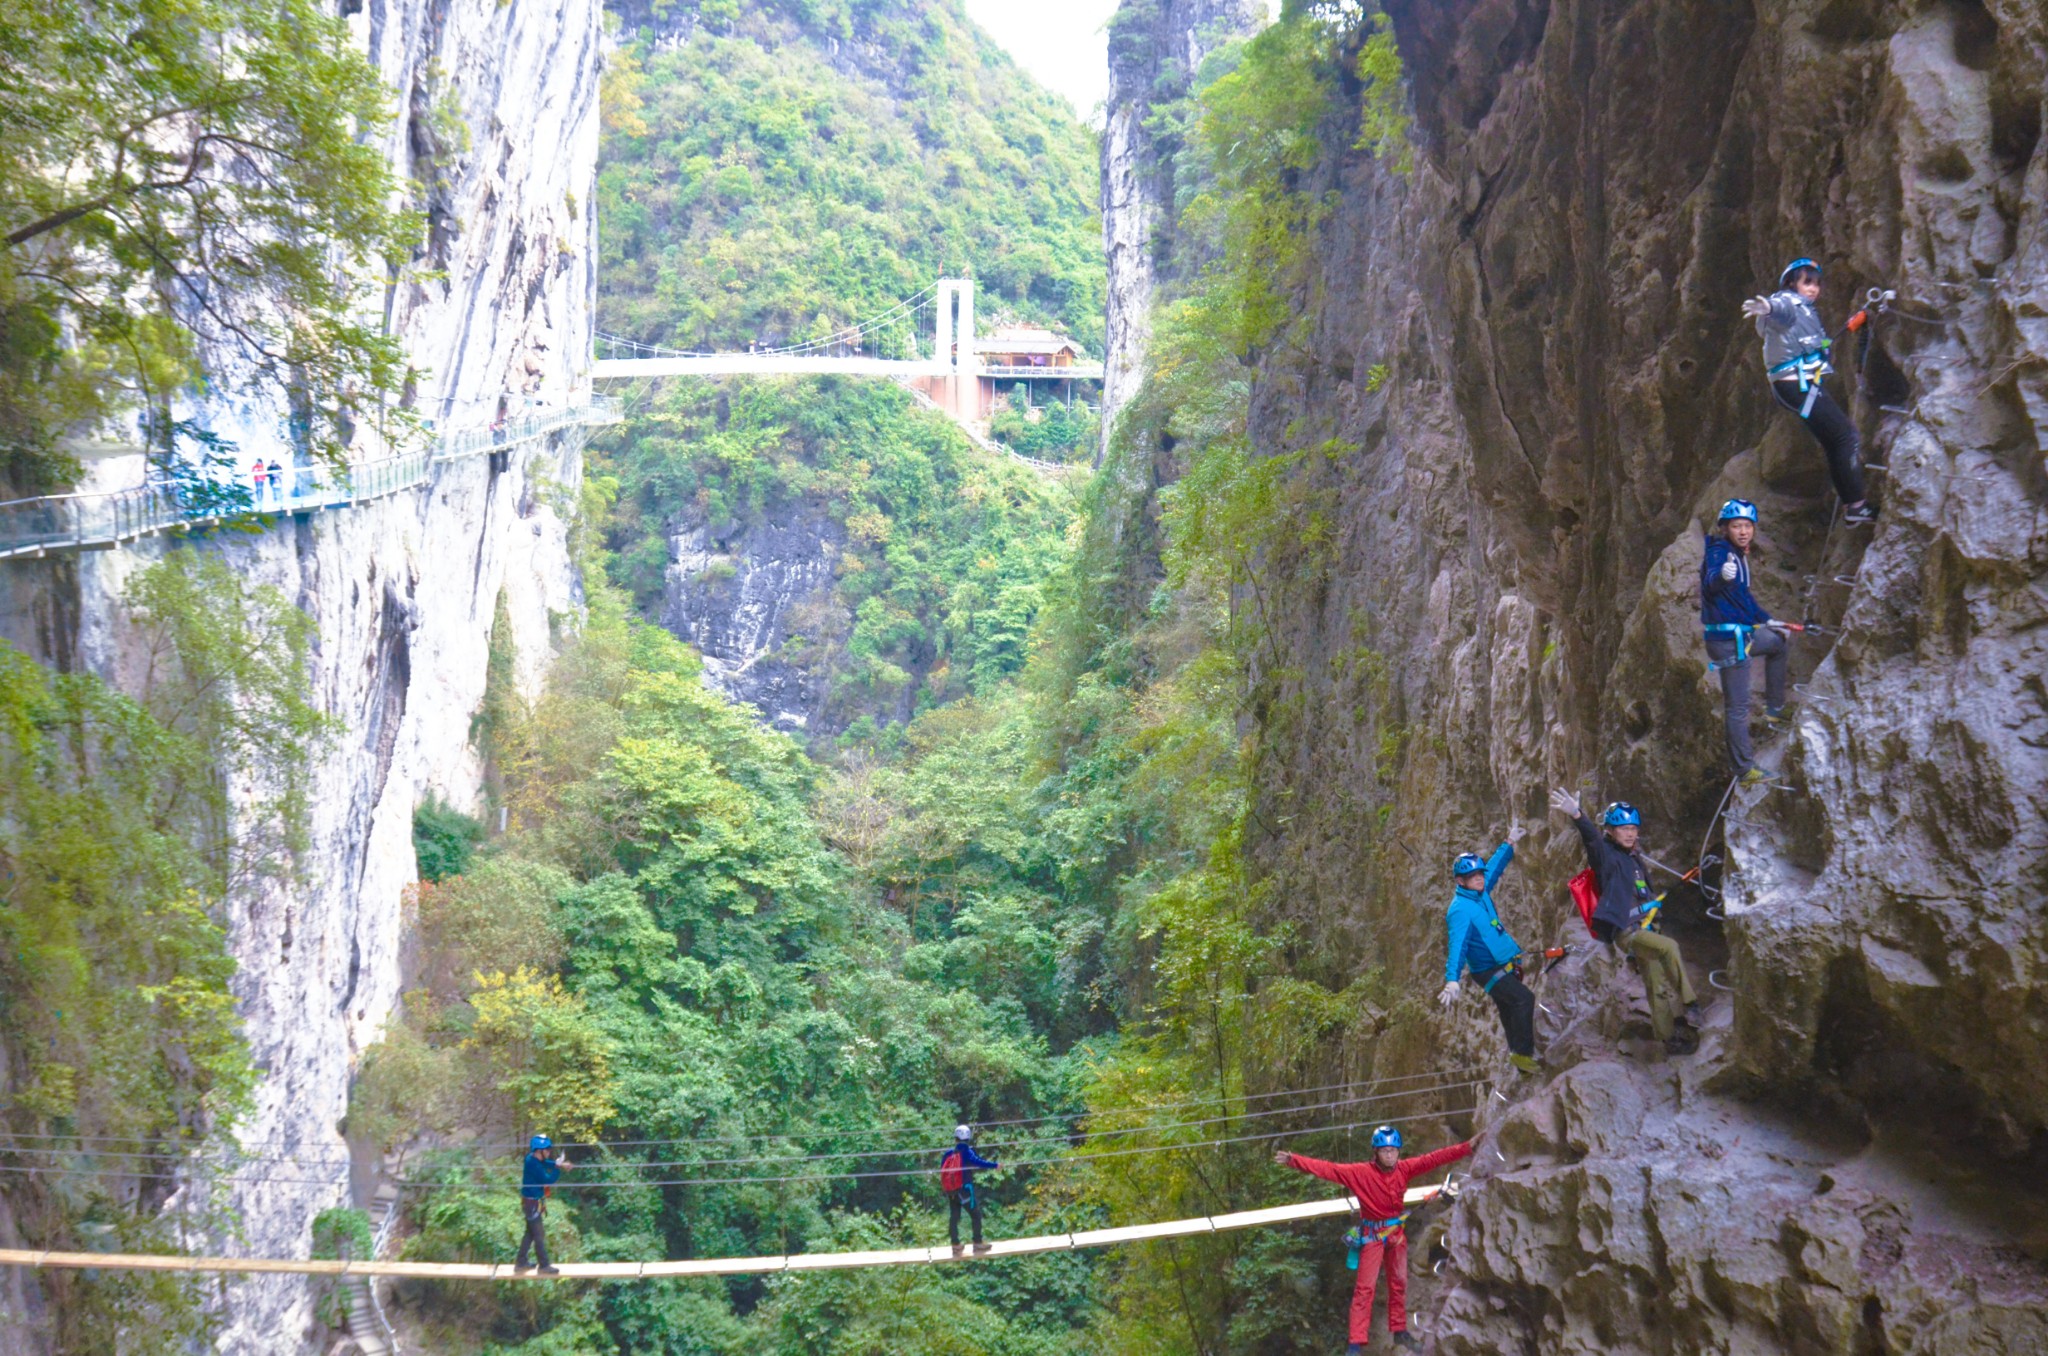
(969, 1160)
(1727, 600)
(540, 1175)
(1477, 940)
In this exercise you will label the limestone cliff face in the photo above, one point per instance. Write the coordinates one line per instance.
(759, 602)
(1155, 48)
(498, 127)
(1849, 1164)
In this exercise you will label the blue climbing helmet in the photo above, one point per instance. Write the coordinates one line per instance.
(1739, 510)
(1620, 813)
(1386, 1137)
(1467, 863)
(539, 1142)
(1785, 276)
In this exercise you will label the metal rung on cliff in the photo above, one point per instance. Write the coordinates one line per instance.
(92, 521)
(715, 1266)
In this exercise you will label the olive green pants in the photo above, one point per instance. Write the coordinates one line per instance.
(1663, 971)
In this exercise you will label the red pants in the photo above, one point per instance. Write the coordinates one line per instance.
(1395, 1253)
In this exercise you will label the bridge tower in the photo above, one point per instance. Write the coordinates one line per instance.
(959, 388)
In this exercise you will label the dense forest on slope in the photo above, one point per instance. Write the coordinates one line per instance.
(1030, 899)
(777, 169)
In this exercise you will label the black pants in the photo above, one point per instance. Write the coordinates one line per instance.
(1836, 434)
(533, 1239)
(966, 1198)
(1517, 1013)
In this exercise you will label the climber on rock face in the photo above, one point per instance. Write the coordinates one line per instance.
(1379, 1186)
(1478, 941)
(1796, 345)
(1738, 630)
(1623, 878)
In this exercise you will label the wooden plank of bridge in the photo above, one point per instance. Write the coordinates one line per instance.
(700, 1266)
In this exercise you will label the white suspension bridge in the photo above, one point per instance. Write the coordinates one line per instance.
(959, 373)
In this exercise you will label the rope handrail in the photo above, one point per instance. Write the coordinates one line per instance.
(714, 1266)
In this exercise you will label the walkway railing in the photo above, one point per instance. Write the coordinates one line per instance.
(73, 522)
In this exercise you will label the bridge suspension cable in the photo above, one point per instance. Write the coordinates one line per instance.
(251, 1150)
(783, 1179)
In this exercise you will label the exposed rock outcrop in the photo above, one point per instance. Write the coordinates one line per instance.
(1155, 48)
(1517, 515)
(760, 603)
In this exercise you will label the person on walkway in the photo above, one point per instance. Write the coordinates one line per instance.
(256, 483)
(1478, 941)
(956, 1178)
(277, 494)
(543, 1166)
(1796, 345)
(1379, 1186)
(1738, 630)
(1623, 878)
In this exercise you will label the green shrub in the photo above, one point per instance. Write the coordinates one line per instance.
(443, 839)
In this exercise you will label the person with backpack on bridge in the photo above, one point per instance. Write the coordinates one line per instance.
(956, 1178)
(1625, 916)
(544, 1165)
(1479, 942)
(1380, 1186)
(1796, 352)
(1737, 630)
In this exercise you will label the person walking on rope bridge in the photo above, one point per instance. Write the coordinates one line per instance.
(1796, 351)
(956, 1178)
(1738, 630)
(1379, 1186)
(1626, 914)
(543, 1166)
(1478, 941)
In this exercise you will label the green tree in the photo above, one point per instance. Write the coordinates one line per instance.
(191, 193)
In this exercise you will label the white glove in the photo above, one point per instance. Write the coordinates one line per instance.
(1449, 997)
(1729, 569)
(1756, 308)
(1565, 803)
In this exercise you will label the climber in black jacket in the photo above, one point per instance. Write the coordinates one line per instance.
(1618, 920)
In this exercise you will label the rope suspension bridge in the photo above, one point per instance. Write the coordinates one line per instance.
(59, 1156)
(710, 1266)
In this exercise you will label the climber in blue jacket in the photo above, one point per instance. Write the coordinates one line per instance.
(1738, 630)
(1478, 941)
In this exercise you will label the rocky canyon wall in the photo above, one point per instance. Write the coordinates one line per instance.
(497, 127)
(1849, 1163)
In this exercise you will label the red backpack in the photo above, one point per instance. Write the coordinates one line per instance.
(1586, 894)
(951, 1178)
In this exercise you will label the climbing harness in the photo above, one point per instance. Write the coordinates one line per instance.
(1740, 630)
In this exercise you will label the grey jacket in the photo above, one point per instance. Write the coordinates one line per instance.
(1793, 330)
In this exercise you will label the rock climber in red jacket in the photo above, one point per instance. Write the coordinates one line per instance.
(1379, 1186)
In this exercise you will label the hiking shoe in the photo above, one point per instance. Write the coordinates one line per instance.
(1859, 516)
(1528, 1064)
(550, 1271)
(1682, 1042)
(521, 1268)
(959, 1251)
(1407, 1343)
(1752, 777)
(980, 1248)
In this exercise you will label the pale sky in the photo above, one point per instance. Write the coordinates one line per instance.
(1062, 44)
